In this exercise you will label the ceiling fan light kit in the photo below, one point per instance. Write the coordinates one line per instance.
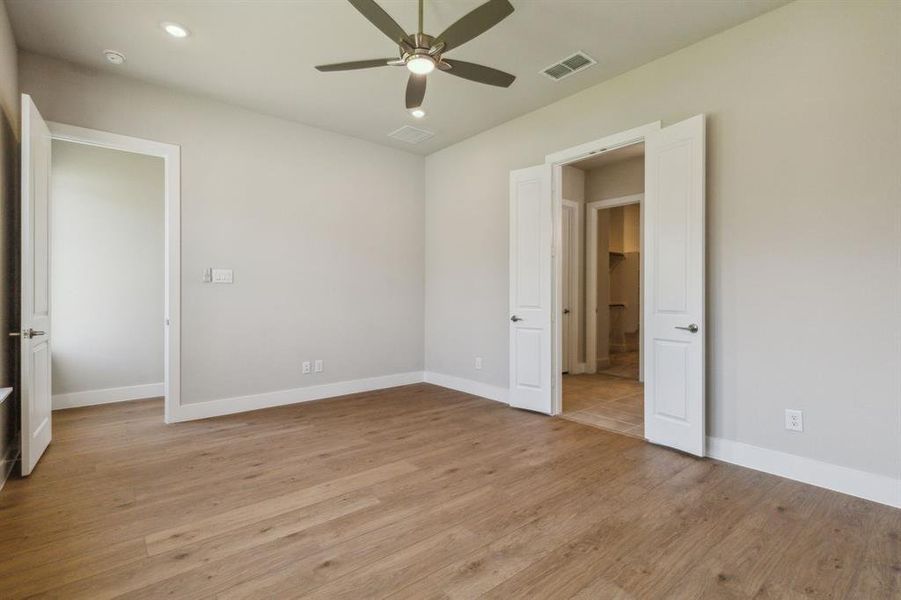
(423, 54)
(421, 65)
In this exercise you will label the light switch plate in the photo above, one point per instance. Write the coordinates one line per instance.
(223, 276)
(317, 366)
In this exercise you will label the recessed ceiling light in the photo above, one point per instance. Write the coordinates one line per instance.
(418, 113)
(175, 30)
(113, 56)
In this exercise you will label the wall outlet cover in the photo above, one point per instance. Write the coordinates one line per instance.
(306, 367)
(794, 420)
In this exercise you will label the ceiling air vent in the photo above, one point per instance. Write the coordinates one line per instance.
(411, 135)
(569, 65)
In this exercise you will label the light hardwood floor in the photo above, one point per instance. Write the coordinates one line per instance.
(418, 492)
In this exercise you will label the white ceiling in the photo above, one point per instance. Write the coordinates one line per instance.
(261, 54)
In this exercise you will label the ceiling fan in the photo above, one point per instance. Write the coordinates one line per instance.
(422, 53)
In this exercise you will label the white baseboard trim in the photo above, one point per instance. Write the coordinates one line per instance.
(870, 486)
(238, 404)
(468, 386)
(108, 395)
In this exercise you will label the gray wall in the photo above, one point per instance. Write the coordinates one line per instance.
(9, 239)
(803, 217)
(107, 265)
(324, 233)
(621, 178)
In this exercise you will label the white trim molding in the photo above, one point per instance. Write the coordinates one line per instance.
(108, 395)
(870, 486)
(468, 386)
(238, 404)
(227, 406)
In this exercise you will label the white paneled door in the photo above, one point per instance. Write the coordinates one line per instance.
(674, 294)
(531, 383)
(35, 320)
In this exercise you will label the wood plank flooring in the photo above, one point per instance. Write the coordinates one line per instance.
(418, 492)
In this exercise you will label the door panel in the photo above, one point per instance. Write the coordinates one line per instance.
(528, 227)
(674, 307)
(530, 289)
(528, 357)
(35, 321)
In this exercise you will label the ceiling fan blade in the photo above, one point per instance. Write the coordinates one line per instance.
(479, 73)
(475, 23)
(357, 64)
(415, 90)
(378, 17)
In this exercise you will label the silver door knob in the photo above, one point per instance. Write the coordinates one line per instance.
(514, 318)
(30, 333)
(691, 328)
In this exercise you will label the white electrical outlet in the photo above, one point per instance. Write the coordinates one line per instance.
(794, 420)
(478, 363)
(305, 366)
(317, 366)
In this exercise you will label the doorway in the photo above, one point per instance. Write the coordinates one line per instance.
(36, 333)
(107, 275)
(164, 160)
(671, 307)
(607, 391)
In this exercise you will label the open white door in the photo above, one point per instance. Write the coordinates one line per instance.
(531, 382)
(35, 320)
(674, 297)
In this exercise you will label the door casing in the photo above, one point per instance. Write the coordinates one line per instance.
(573, 265)
(171, 155)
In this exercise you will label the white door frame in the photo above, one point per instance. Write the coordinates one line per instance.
(557, 160)
(574, 260)
(171, 155)
(591, 277)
